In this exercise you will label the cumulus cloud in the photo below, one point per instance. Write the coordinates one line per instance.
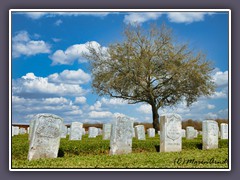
(70, 77)
(32, 86)
(220, 78)
(113, 101)
(186, 17)
(96, 106)
(25, 108)
(72, 53)
(100, 114)
(136, 18)
(80, 100)
(23, 45)
(144, 108)
(38, 15)
(210, 106)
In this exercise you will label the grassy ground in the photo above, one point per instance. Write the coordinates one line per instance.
(94, 153)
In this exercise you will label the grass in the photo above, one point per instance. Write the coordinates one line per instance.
(94, 153)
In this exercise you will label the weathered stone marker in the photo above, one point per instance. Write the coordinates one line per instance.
(99, 131)
(76, 131)
(190, 132)
(224, 131)
(210, 134)
(45, 139)
(22, 131)
(183, 133)
(83, 131)
(64, 131)
(107, 131)
(15, 130)
(171, 133)
(133, 132)
(196, 133)
(31, 124)
(121, 136)
(151, 132)
(140, 132)
(92, 132)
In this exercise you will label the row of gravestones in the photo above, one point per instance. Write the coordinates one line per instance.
(45, 133)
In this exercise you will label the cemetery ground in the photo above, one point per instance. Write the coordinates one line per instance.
(94, 153)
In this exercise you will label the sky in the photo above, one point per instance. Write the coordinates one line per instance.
(50, 75)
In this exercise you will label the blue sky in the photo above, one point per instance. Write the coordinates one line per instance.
(49, 74)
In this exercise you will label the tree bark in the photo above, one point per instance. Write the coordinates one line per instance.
(155, 118)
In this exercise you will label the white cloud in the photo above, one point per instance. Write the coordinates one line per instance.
(56, 39)
(97, 106)
(221, 78)
(58, 22)
(80, 100)
(32, 86)
(38, 15)
(186, 17)
(25, 108)
(113, 101)
(72, 53)
(145, 108)
(219, 95)
(70, 77)
(100, 114)
(139, 18)
(23, 45)
(210, 106)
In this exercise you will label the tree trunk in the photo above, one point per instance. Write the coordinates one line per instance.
(155, 118)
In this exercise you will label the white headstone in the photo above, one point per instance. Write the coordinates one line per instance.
(99, 131)
(210, 134)
(190, 132)
(45, 139)
(31, 125)
(171, 133)
(133, 132)
(183, 133)
(68, 131)
(140, 132)
(151, 132)
(28, 130)
(64, 131)
(107, 131)
(196, 133)
(224, 131)
(83, 131)
(92, 132)
(159, 133)
(22, 131)
(15, 130)
(121, 136)
(76, 131)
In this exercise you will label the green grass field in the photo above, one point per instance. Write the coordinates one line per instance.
(94, 153)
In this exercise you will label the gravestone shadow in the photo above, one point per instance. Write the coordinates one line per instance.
(157, 147)
(60, 153)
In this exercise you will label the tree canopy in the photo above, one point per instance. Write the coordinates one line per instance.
(150, 66)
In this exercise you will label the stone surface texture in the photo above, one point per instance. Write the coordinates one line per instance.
(121, 136)
(76, 131)
(45, 139)
(210, 134)
(171, 133)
